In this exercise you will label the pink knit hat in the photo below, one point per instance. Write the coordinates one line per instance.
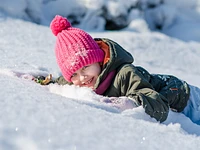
(74, 48)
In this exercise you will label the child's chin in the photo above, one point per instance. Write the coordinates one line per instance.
(90, 86)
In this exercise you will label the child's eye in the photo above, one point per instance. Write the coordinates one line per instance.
(74, 75)
(84, 67)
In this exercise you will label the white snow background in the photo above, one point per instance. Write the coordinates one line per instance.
(35, 117)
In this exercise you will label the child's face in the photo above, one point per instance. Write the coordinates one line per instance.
(86, 76)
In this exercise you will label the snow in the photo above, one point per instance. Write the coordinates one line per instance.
(57, 117)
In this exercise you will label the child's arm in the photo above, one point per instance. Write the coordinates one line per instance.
(131, 83)
(61, 81)
(45, 80)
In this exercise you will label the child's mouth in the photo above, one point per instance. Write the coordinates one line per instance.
(89, 81)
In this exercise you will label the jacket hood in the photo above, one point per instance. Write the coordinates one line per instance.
(118, 56)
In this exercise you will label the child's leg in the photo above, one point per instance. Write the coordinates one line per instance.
(192, 110)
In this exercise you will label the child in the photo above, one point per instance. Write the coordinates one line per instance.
(104, 66)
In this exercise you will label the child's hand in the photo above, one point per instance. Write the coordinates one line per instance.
(120, 103)
(43, 80)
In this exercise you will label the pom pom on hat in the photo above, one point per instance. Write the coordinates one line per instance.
(74, 47)
(58, 24)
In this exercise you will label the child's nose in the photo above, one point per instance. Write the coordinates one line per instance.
(83, 77)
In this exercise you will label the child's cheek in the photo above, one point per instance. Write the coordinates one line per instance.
(75, 82)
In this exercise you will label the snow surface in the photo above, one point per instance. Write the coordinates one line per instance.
(35, 117)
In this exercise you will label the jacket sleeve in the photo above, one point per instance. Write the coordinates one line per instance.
(61, 81)
(133, 84)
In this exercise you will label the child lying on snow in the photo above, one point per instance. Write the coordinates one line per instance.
(104, 66)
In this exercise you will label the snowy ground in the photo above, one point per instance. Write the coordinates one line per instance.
(53, 117)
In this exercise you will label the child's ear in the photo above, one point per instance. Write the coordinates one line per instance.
(101, 64)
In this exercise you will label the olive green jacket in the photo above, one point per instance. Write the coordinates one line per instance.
(156, 93)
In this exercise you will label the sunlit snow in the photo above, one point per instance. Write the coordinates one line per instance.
(54, 117)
